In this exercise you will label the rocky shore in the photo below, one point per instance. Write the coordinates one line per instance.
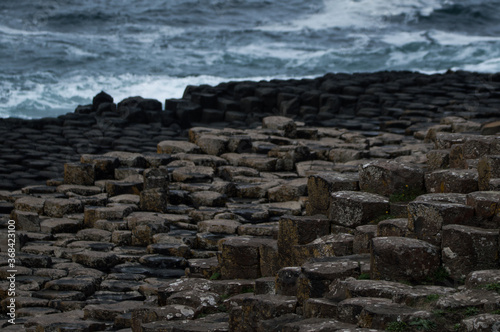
(359, 202)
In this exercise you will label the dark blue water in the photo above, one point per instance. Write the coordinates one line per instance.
(57, 54)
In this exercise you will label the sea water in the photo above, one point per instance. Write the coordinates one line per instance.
(56, 54)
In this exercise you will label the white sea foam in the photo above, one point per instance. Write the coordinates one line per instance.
(357, 13)
(34, 100)
(488, 66)
(457, 39)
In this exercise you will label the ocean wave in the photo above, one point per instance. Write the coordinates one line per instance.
(362, 14)
(31, 99)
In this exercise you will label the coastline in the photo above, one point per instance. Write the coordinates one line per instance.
(395, 102)
(354, 202)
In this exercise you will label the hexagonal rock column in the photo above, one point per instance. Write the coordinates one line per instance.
(77, 173)
(104, 165)
(354, 208)
(280, 123)
(488, 168)
(486, 206)
(247, 311)
(213, 144)
(321, 186)
(466, 249)
(452, 181)
(240, 257)
(387, 177)
(401, 258)
(428, 216)
(172, 147)
(298, 230)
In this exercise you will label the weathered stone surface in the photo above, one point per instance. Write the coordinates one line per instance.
(245, 312)
(399, 258)
(312, 167)
(326, 246)
(259, 162)
(452, 181)
(488, 168)
(379, 315)
(318, 324)
(288, 155)
(60, 225)
(290, 191)
(287, 280)
(155, 200)
(427, 217)
(240, 257)
(212, 144)
(155, 178)
(316, 277)
(480, 279)
(108, 312)
(193, 174)
(363, 236)
(127, 186)
(481, 323)
(26, 221)
(151, 318)
(438, 159)
(466, 249)
(72, 319)
(81, 174)
(96, 259)
(349, 310)
(219, 226)
(79, 189)
(353, 209)
(476, 298)
(58, 207)
(30, 204)
(323, 185)
(128, 159)
(320, 308)
(393, 227)
(486, 204)
(208, 198)
(84, 284)
(387, 177)
(104, 165)
(280, 123)
(171, 147)
(298, 231)
(144, 226)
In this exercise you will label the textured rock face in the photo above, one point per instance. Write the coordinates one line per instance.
(275, 224)
(298, 231)
(352, 209)
(428, 217)
(399, 258)
(387, 177)
(467, 249)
